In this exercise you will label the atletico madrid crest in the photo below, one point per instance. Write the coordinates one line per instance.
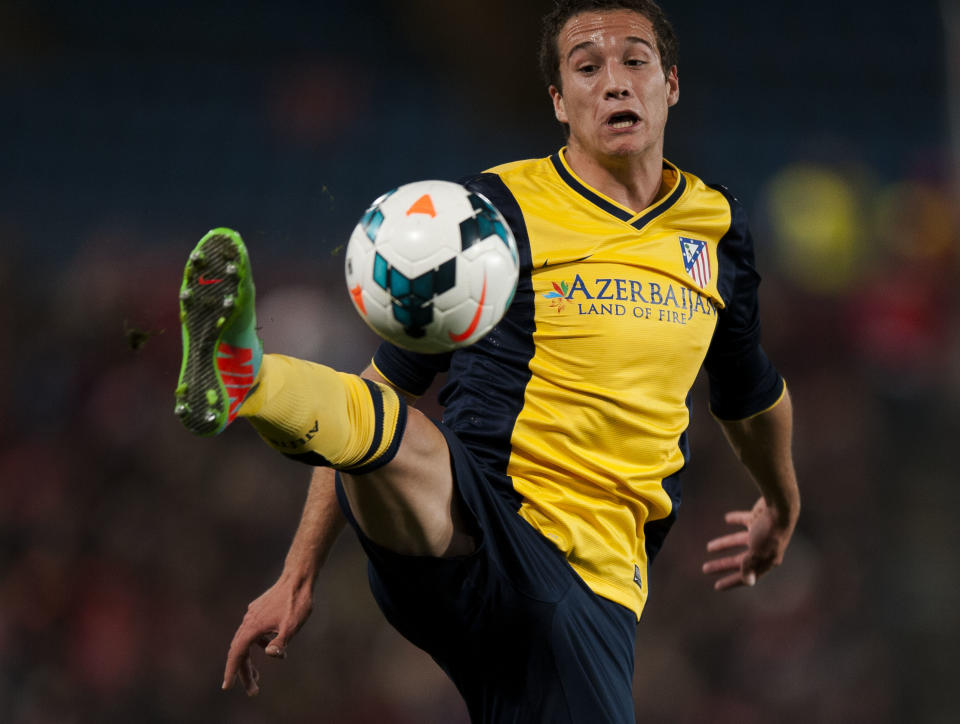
(696, 260)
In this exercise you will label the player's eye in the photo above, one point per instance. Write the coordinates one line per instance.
(587, 68)
(637, 62)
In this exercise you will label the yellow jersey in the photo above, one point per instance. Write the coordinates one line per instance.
(578, 400)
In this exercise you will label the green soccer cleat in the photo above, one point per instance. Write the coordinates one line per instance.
(221, 350)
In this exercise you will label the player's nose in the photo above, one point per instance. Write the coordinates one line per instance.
(615, 83)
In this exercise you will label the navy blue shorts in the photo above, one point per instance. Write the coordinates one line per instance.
(516, 629)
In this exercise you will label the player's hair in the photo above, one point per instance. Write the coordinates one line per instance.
(563, 10)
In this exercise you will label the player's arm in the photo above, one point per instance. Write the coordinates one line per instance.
(273, 618)
(764, 445)
(749, 398)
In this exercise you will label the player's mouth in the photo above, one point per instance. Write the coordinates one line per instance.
(624, 120)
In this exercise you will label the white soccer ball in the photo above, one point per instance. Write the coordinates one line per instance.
(432, 266)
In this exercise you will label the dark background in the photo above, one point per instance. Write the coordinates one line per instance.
(129, 550)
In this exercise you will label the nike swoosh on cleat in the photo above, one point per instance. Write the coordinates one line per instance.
(201, 280)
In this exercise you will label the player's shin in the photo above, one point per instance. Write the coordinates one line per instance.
(319, 416)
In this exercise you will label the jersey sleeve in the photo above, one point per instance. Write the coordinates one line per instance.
(743, 381)
(412, 372)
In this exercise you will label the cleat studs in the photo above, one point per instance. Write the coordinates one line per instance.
(181, 409)
(231, 269)
(185, 294)
(221, 321)
(228, 302)
(211, 416)
(211, 397)
(196, 256)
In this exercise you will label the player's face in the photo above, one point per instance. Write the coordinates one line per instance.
(615, 92)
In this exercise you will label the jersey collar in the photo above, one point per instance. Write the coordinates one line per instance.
(636, 220)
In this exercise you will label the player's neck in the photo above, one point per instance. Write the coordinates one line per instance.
(632, 181)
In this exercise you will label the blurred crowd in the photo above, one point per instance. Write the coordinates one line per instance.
(129, 549)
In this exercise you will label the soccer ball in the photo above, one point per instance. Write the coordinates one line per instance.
(432, 266)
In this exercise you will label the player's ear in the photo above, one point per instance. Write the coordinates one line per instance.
(558, 110)
(673, 86)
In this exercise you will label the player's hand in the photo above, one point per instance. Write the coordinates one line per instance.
(764, 542)
(270, 622)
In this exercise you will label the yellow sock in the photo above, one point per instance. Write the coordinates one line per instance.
(319, 416)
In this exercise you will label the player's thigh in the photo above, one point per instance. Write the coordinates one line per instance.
(410, 506)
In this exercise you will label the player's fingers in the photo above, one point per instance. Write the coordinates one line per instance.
(242, 673)
(756, 565)
(249, 676)
(278, 646)
(718, 565)
(728, 582)
(232, 670)
(239, 649)
(738, 517)
(729, 541)
(265, 638)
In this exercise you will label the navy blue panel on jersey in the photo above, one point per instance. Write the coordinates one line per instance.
(488, 378)
(743, 381)
(655, 532)
(410, 371)
(516, 629)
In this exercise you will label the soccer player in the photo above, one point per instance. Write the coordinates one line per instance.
(512, 541)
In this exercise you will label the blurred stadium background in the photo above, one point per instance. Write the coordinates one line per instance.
(129, 550)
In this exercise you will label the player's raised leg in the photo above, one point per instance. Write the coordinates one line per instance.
(396, 463)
